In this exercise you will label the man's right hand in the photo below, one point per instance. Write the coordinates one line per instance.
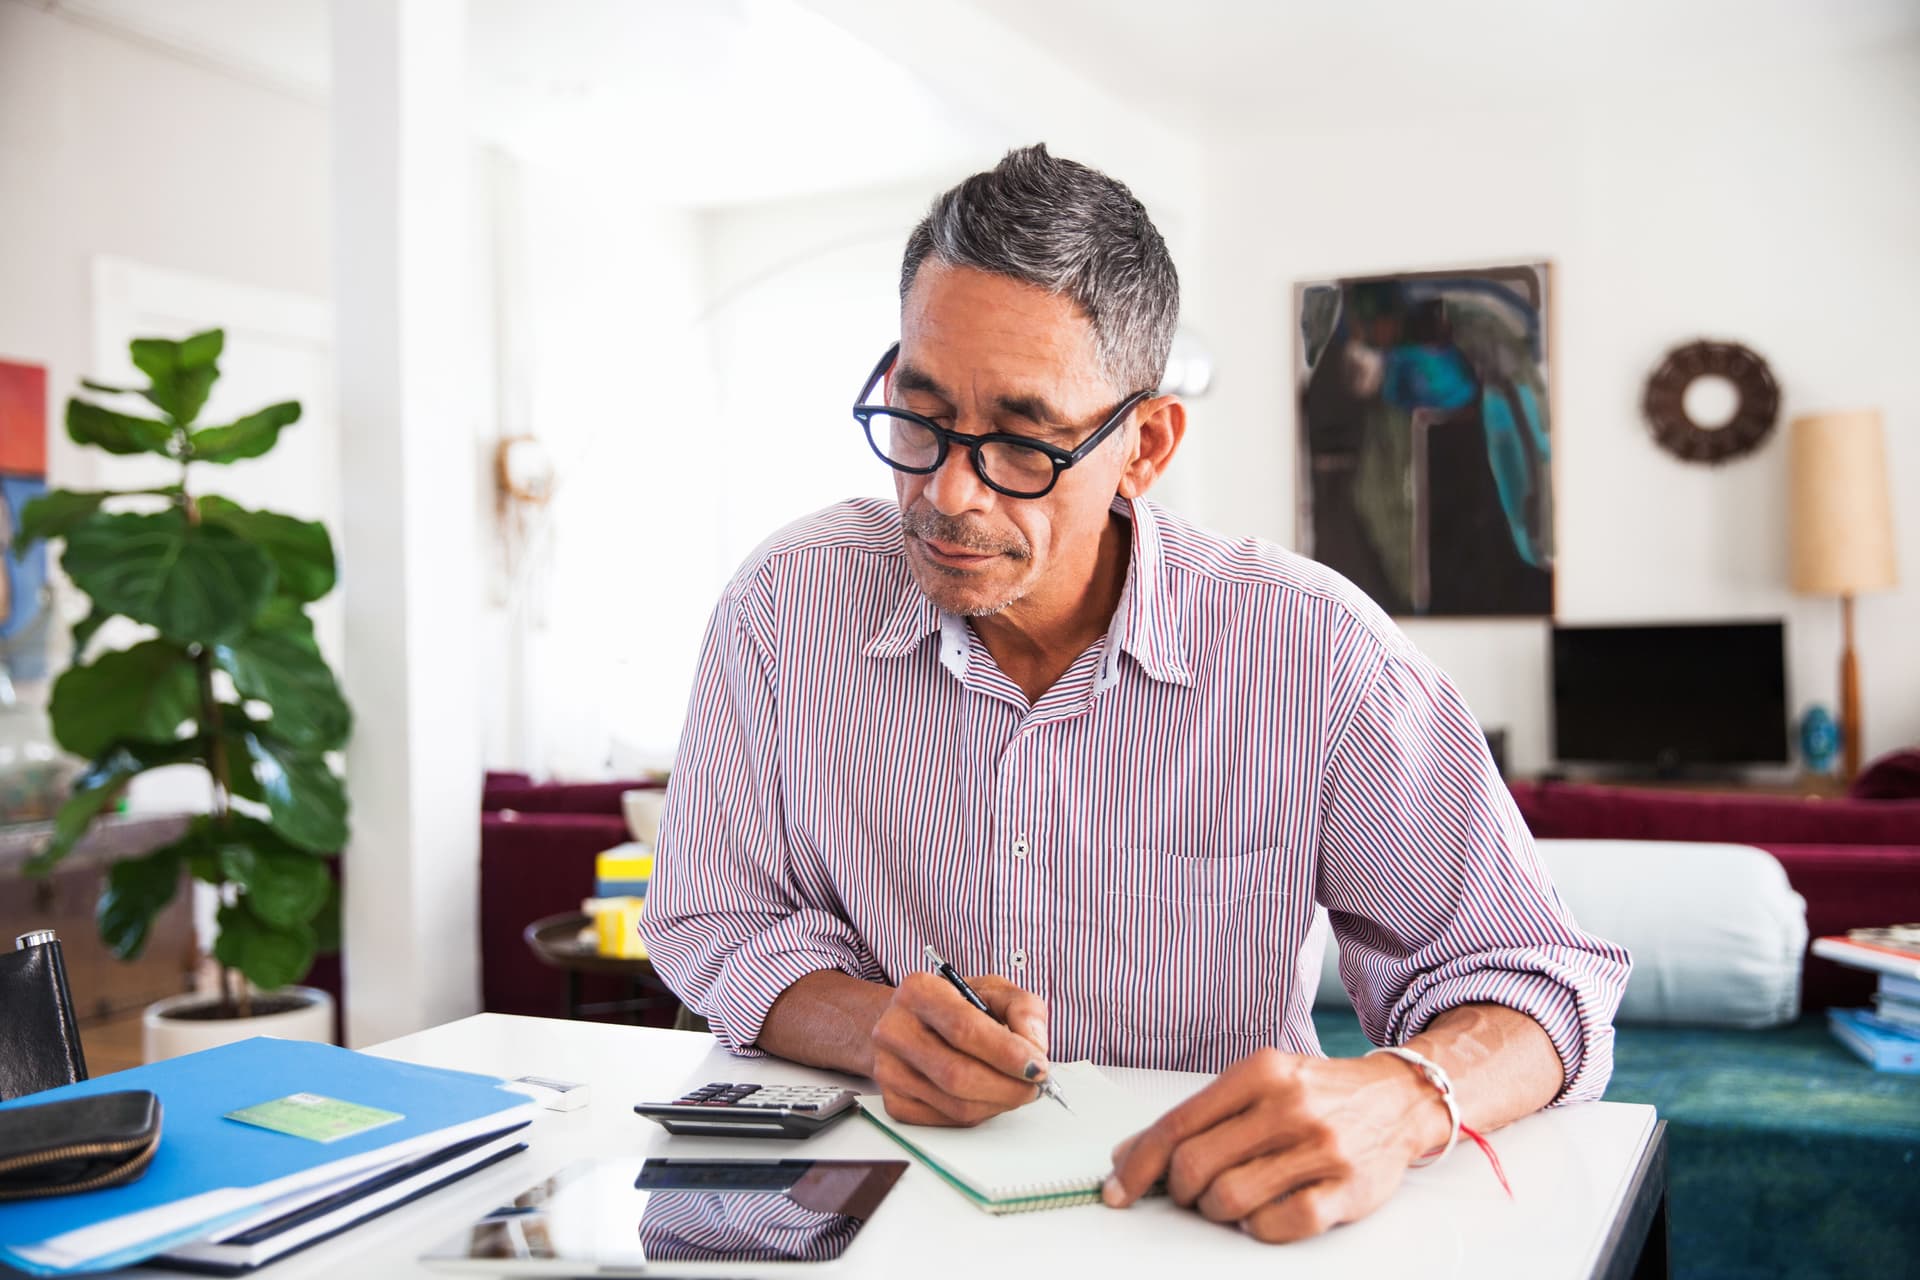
(939, 1060)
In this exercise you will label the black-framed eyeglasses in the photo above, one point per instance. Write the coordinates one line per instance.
(1018, 466)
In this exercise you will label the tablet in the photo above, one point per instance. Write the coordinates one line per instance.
(632, 1216)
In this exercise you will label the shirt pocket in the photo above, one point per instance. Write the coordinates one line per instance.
(1196, 945)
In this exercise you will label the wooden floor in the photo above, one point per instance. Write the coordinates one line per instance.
(112, 1045)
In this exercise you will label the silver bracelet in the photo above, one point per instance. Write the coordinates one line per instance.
(1439, 1079)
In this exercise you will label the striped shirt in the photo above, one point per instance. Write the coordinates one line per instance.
(1144, 848)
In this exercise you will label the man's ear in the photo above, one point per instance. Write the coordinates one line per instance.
(1163, 424)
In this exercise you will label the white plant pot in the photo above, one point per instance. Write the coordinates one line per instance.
(164, 1036)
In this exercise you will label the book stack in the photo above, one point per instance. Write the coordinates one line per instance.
(1887, 1036)
(267, 1146)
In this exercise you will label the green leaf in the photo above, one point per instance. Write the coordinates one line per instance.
(301, 549)
(279, 663)
(108, 388)
(287, 886)
(196, 583)
(52, 514)
(250, 437)
(182, 372)
(143, 693)
(269, 955)
(306, 801)
(95, 789)
(137, 890)
(85, 629)
(88, 423)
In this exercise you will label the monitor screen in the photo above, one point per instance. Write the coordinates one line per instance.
(1669, 697)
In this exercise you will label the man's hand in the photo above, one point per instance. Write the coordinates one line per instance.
(1285, 1145)
(939, 1060)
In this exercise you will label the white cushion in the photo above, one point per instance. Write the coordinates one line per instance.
(1716, 933)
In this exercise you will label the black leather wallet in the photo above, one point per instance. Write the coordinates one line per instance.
(77, 1144)
(39, 1041)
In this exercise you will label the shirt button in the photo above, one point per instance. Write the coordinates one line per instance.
(1019, 959)
(1020, 847)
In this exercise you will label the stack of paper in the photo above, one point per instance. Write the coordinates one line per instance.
(215, 1177)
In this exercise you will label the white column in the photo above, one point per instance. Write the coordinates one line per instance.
(410, 526)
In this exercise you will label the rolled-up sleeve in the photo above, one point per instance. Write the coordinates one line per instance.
(1435, 890)
(726, 924)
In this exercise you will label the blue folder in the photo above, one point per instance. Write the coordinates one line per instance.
(200, 1150)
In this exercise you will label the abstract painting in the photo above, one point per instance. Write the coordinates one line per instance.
(23, 477)
(1425, 458)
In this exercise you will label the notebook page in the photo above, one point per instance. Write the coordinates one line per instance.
(1039, 1149)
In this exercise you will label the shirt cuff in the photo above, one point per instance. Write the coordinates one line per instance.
(756, 974)
(1582, 1033)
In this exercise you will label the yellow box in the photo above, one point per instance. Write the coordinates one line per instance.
(616, 924)
(622, 863)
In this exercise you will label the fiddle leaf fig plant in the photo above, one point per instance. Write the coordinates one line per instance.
(226, 677)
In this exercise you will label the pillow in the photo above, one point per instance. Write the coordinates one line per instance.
(1895, 776)
(1716, 933)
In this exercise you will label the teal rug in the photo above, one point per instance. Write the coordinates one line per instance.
(1786, 1155)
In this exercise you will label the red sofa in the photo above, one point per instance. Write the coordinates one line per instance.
(537, 850)
(1856, 862)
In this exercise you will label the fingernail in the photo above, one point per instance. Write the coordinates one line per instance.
(1112, 1192)
(1033, 1071)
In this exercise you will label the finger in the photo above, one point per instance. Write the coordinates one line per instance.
(970, 1032)
(1238, 1087)
(1024, 1012)
(1262, 1129)
(1307, 1212)
(922, 1101)
(952, 1072)
(1237, 1193)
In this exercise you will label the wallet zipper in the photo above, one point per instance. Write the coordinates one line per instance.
(142, 1156)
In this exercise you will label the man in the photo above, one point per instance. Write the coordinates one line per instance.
(1106, 761)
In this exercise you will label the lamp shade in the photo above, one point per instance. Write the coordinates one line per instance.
(1842, 513)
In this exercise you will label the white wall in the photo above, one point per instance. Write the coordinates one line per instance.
(619, 390)
(109, 147)
(1778, 212)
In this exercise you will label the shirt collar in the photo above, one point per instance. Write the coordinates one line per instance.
(1145, 624)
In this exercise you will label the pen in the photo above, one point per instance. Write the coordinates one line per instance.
(945, 970)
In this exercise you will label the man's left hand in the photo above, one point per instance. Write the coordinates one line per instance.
(1286, 1145)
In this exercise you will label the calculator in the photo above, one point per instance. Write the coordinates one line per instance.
(753, 1110)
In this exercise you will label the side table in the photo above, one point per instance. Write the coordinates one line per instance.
(557, 941)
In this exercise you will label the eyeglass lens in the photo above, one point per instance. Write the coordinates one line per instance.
(907, 443)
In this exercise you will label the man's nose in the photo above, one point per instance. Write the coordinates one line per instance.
(956, 487)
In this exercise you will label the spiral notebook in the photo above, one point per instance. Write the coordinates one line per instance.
(1038, 1157)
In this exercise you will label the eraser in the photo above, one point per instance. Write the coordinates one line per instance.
(554, 1095)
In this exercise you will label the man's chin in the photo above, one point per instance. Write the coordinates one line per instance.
(965, 593)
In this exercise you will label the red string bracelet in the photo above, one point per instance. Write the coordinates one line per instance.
(1436, 1075)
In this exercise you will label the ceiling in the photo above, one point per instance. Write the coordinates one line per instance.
(743, 100)
(1234, 64)
(737, 100)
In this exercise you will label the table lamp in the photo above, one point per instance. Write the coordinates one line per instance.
(1842, 539)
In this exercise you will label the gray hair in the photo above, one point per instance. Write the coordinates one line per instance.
(1074, 232)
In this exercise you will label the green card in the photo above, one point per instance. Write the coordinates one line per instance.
(309, 1115)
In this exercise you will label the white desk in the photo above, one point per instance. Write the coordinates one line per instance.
(1575, 1174)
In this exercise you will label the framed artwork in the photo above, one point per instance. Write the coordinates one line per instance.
(1424, 437)
(23, 477)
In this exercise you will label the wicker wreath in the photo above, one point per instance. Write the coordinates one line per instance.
(1665, 402)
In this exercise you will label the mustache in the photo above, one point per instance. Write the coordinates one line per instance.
(924, 522)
